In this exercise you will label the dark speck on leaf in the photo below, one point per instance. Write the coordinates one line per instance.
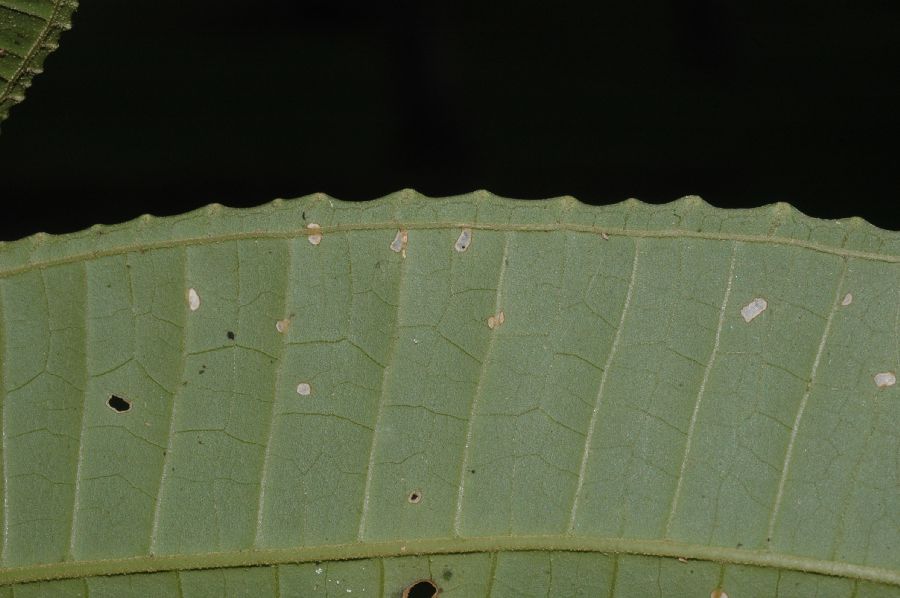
(230, 335)
(303, 214)
(471, 471)
(447, 574)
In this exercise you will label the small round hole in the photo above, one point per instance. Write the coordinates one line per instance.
(415, 497)
(423, 588)
(118, 404)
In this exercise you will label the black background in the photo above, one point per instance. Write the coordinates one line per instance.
(163, 106)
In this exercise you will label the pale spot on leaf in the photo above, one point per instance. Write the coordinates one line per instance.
(717, 593)
(283, 325)
(847, 300)
(497, 320)
(303, 389)
(464, 240)
(316, 237)
(754, 308)
(604, 236)
(193, 300)
(399, 243)
(885, 379)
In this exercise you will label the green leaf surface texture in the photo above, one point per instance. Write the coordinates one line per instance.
(511, 398)
(29, 31)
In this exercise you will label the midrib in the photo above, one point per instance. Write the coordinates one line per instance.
(676, 234)
(452, 545)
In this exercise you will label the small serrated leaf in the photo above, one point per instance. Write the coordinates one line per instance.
(29, 31)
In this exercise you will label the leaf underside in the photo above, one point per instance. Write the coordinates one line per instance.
(29, 31)
(512, 398)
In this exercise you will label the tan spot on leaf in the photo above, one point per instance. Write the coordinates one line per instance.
(885, 379)
(193, 299)
(464, 240)
(316, 237)
(754, 308)
(400, 241)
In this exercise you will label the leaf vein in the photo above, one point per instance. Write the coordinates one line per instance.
(170, 434)
(788, 457)
(582, 469)
(382, 398)
(270, 431)
(700, 393)
(470, 427)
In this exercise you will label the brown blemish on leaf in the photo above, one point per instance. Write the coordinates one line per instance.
(718, 593)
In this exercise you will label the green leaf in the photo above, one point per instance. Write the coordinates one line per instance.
(29, 31)
(509, 398)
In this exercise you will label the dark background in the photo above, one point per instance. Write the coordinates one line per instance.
(163, 106)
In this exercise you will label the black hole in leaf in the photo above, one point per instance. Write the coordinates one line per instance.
(118, 404)
(230, 335)
(424, 588)
(415, 496)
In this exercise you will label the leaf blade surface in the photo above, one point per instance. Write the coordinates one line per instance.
(577, 382)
